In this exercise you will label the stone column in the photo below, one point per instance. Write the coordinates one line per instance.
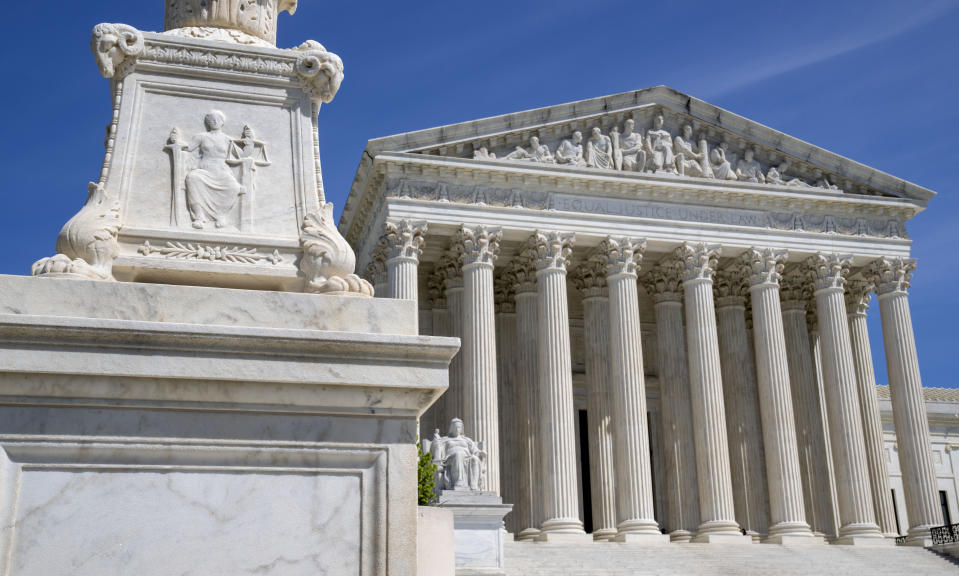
(404, 245)
(892, 276)
(508, 398)
(812, 324)
(529, 506)
(634, 482)
(375, 272)
(665, 285)
(590, 280)
(810, 434)
(656, 452)
(741, 400)
(557, 426)
(451, 266)
(480, 406)
(763, 268)
(857, 523)
(709, 418)
(858, 293)
(435, 418)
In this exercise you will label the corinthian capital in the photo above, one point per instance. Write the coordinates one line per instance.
(828, 270)
(664, 283)
(891, 274)
(590, 278)
(794, 290)
(623, 255)
(450, 267)
(550, 250)
(404, 239)
(763, 265)
(503, 290)
(522, 272)
(698, 260)
(731, 286)
(858, 293)
(480, 244)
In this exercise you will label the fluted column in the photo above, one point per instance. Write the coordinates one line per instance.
(590, 280)
(705, 376)
(806, 405)
(404, 245)
(451, 266)
(741, 401)
(665, 284)
(529, 506)
(786, 506)
(557, 426)
(435, 418)
(508, 398)
(857, 302)
(892, 276)
(480, 406)
(634, 482)
(857, 523)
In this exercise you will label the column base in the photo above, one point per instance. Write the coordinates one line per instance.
(604, 534)
(528, 535)
(562, 538)
(680, 536)
(795, 540)
(863, 541)
(733, 539)
(917, 541)
(639, 538)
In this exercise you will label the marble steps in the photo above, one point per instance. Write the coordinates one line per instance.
(609, 559)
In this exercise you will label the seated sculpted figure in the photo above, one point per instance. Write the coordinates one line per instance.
(659, 144)
(460, 460)
(536, 153)
(599, 150)
(689, 162)
(748, 169)
(570, 151)
(722, 168)
(212, 189)
(482, 153)
(631, 148)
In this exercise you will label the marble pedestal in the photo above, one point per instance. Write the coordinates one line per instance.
(477, 531)
(154, 429)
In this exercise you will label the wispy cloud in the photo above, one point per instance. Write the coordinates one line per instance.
(801, 56)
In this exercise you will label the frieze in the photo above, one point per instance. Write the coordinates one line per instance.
(221, 59)
(544, 200)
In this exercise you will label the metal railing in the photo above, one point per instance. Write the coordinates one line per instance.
(945, 534)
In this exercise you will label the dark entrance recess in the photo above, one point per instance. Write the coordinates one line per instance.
(944, 503)
(584, 472)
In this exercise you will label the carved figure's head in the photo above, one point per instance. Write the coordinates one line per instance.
(749, 154)
(456, 428)
(534, 142)
(577, 137)
(214, 120)
(658, 122)
(597, 133)
(629, 126)
(687, 131)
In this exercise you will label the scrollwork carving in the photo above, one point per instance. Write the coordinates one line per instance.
(87, 244)
(858, 294)
(590, 277)
(550, 250)
(763, 265)
(480, 244)
(320, 70)
(828, 271)
(891, 274)
(405, 239)
(622, 255)
(665, 281)
(112, 44)
(698, 260)
(328, 261)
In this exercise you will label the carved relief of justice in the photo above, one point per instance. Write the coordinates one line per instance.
(214, 176)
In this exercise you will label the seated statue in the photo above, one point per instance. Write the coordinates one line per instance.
(460, 462)
(722, 168)
(482, 153)
(777, 176)
(823, 182)
(212, 190)
(571, 151)
(659, 146)
(689, 162)
(599, 150)
(536, 153)
(748, 169)
(631, 156)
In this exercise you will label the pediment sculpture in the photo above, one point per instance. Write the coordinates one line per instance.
(460, 462)
(690, 152)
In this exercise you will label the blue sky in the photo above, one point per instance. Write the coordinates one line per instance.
(875, 81)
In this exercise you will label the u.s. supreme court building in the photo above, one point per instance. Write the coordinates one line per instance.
(662, 308)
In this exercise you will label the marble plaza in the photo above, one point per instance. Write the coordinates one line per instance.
(669, 292)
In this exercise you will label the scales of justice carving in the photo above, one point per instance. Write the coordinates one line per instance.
(687, 154)
(214, 176)
(460, 461)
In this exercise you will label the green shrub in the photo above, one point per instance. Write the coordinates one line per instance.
(427, 475)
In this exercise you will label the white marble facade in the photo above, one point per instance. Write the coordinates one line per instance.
(694, 282)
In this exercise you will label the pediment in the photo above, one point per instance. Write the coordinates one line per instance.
(717, 145)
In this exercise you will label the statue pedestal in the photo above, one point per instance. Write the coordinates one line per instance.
(477, 530)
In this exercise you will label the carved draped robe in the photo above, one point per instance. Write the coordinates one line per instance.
(599, 153)
(211, 189)
(461, 464)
